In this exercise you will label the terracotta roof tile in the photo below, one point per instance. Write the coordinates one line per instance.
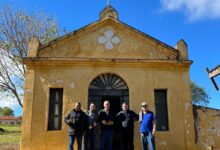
(8, 118)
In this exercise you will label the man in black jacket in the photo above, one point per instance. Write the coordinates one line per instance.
(126, 119)
(77, 122)
(106, 119)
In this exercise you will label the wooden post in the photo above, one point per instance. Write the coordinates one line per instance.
(212, 74)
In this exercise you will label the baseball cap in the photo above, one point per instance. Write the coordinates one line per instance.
(143, 104)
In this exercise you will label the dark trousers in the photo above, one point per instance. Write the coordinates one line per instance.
(89, 139)
(78, 137)
(106, 138)
(128, 138)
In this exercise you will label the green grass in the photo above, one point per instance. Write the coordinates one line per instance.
(11, 136)
(15, 128)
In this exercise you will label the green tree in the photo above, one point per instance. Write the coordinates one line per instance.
(6, 111)
(17, 27)
(199, 95)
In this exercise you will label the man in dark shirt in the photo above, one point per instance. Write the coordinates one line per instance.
(126, 119)
(106, 124)
(77, 122)
(89, 137)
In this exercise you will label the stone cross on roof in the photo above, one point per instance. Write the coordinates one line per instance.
(108, 11)
(108, 2)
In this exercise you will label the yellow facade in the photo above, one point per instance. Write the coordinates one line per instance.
(73, 61)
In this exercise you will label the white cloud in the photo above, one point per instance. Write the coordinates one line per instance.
(194, 9)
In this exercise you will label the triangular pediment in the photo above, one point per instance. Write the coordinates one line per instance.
(108, 38)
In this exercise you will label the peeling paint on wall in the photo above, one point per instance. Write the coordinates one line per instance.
(163, 143)
(207, 125)
(59, 81)
(187, 106)
(72, 85)
(42, 79)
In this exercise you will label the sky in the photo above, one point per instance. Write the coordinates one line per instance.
(195, 21)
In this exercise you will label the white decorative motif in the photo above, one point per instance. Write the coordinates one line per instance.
(109, 39)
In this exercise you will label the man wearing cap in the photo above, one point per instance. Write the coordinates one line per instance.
(147, 127)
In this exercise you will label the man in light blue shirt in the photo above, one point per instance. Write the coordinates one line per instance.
(147, 127)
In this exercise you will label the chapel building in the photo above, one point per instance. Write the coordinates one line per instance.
(107, 60)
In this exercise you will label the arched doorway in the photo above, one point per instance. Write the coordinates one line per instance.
(114, 89)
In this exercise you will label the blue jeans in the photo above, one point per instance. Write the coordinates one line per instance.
(89, 138)
(147, 139)
(106, 137)
(78, 137)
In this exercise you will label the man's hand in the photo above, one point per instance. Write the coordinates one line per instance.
(153, 132)
(154, 128)
(110, 123)
(104, 122)
(68, 121)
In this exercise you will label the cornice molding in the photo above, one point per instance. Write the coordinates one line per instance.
(44, 61)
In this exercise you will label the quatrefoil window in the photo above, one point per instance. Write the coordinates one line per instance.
(109, 39)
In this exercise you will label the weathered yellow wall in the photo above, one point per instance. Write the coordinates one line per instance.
(207, 123)
(76, 79)
(27, 109)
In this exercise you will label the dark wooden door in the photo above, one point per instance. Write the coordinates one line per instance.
(114, 89)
